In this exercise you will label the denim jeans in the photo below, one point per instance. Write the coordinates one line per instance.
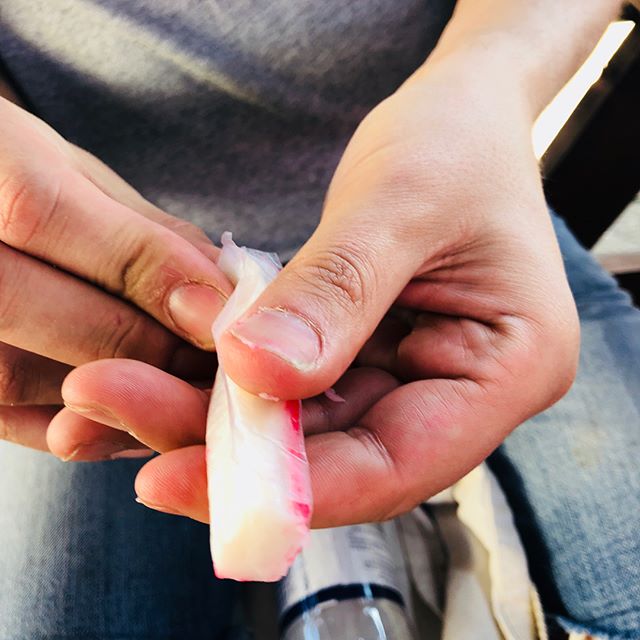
(79, 559)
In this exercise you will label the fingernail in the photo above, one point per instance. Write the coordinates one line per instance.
(193, 308)
(98, 451)
(282, 333)
(157, 507)
(98, 414)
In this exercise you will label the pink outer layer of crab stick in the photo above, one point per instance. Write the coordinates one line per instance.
(258, 477)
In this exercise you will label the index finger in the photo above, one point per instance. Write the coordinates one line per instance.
(65, 220)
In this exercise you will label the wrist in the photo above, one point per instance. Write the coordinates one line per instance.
(479, 88)
(535, 47)
(494, 68)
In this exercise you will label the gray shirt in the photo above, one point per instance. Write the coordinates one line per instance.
(230, 113)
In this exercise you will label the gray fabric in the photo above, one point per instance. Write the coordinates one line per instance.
(230, 113)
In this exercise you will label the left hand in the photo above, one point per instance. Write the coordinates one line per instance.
(435, 261)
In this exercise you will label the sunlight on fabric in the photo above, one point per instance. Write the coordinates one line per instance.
(552, 119)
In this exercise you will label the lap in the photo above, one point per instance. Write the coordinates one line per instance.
(571, 473)
(80, 559)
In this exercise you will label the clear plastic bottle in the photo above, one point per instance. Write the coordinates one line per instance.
(348, 584)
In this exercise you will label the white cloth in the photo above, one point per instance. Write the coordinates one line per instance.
(467, 566)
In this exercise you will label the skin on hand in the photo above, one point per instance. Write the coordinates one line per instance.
(90, 270)
(129, 399)
(435, 268)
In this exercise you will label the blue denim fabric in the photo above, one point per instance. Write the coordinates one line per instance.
(572, 473)
(80, 560)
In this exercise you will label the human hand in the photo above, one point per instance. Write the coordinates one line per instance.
(435, 261)
(89, 271)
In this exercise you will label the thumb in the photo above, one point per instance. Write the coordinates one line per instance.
(307, 327)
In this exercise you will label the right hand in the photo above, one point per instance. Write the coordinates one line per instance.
(87, 271)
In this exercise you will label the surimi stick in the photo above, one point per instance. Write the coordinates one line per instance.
(258, 477)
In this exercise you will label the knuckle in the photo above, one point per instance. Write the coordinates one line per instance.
(123, 337)
(371, 441)
(7, 429)
(27, 203)
(549, 359)
(128, 274)
(12, 274)
(143, 270)
(186, 229)
(567, 350)
(342, 273)
(136, 336)
(565, 379)
(559, 339)
(13, 378)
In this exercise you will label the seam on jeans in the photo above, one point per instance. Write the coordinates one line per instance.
(571, 626)
(618, 612)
